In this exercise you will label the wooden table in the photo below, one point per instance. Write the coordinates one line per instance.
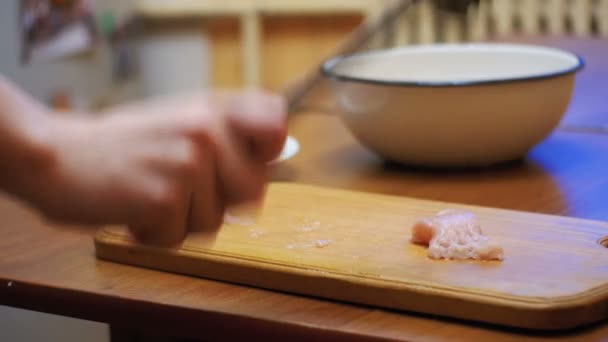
(53, 269)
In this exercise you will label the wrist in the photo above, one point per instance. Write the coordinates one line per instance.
(26, 160)
(25, 129)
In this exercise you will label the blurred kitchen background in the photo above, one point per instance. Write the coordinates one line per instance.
(95, 53)
(146, 48)
(151, 47)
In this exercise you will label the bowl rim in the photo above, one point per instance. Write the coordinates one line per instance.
(328, 65)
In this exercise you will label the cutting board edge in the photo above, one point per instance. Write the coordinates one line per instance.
(539, 314)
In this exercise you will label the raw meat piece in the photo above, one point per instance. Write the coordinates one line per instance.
(455, 234)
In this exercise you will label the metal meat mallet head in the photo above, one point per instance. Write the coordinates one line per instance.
(455, 6)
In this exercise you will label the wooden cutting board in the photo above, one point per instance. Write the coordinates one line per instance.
(355, 247)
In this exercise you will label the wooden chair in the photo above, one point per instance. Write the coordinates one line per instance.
(425, 23)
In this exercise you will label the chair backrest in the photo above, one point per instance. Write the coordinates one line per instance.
(424, 23)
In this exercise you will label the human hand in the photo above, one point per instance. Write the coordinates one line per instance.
(162, 167)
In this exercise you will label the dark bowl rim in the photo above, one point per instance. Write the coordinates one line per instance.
(328, 64)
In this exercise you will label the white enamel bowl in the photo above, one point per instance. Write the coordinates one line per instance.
(453, 104)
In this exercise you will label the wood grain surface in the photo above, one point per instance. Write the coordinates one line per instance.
(355, 247)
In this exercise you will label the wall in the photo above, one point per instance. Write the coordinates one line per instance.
(81, 77)
(292, 46)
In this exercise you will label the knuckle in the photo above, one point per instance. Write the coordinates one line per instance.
(140, 233)
(164, 201)
(157, 235)
(250, 192)
(217, 218)
(198, 124)
(279, 105)
(188, 159)
(199, 128)
(277, 134)
(256, 191)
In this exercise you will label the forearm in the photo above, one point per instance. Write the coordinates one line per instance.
(23, 125)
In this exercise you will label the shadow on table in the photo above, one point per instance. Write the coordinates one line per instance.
(527, 184)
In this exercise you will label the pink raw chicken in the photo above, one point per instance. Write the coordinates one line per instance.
(455, 234)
